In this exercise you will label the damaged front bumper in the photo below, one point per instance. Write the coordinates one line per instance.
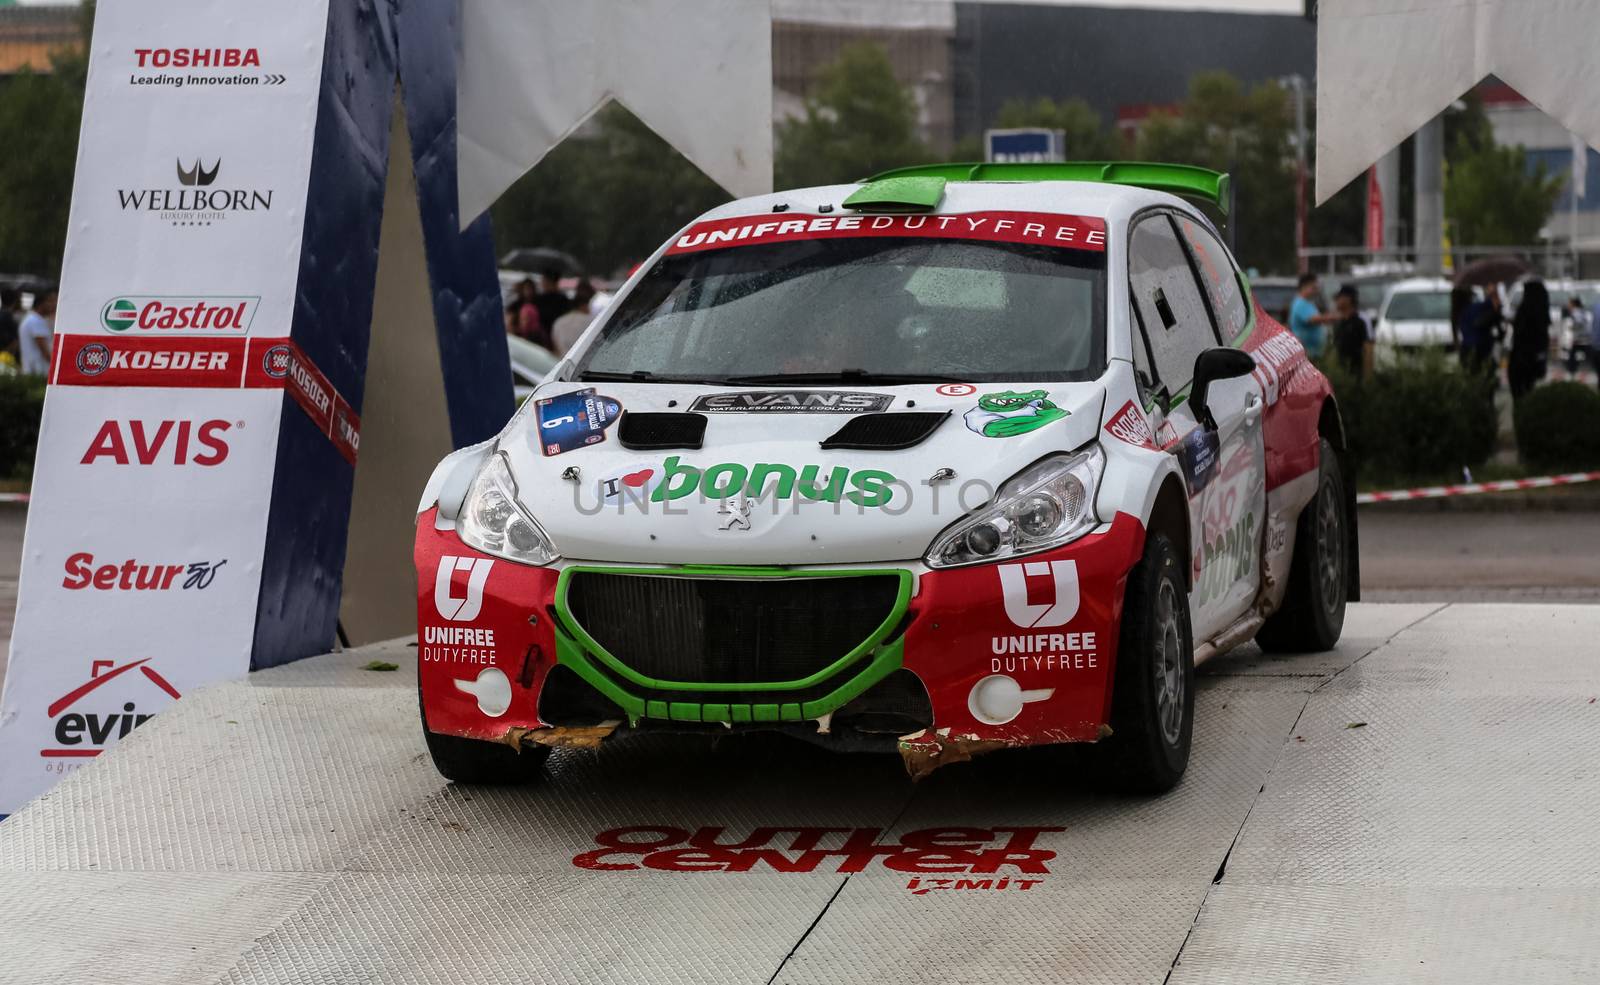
(941, 665)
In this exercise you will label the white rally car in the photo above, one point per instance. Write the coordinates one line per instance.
(960, 458)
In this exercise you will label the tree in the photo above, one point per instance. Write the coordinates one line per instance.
(1223, 126)
(41, 114)
(608, 197)
(1491, 195)
(861, 121)
(1084, 138)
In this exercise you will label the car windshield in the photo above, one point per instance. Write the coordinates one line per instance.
(1419, 306)
(901, 308)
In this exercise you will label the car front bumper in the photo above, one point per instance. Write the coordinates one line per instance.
(941, 663)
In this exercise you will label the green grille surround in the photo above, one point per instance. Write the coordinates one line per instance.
(869, 662)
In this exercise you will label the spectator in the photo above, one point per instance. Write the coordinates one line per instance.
(1480, 329)
(10, 304)
(571, 325)
(1578, 326)
(1351, 340)
(1530, 339)
(1304, 320)
(36, 333)
(551, 299)
(530, 323)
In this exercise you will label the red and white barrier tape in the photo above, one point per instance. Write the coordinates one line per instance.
(13, 497)
(1472, 488)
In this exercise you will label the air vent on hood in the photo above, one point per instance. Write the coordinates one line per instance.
(886, 431)
(651, 432)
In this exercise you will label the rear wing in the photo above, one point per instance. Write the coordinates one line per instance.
(1178, 179)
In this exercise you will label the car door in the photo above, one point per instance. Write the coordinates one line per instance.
(1179, 287)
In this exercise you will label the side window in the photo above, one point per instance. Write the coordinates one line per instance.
(1142, 369)
(1219, 276)
(1169, 302)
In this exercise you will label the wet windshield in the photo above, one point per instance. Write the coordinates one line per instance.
(905, 308)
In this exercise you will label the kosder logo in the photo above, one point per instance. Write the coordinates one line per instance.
(188, 314)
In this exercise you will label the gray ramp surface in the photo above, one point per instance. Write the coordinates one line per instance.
(1418, 805)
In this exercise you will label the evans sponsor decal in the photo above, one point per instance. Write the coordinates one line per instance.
(989, 859)
(221, 315)
(136, 576)
(160, 443)
(1040, 228)
(792, 402)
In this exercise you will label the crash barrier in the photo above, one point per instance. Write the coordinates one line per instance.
(1474, 488)
(196, 464)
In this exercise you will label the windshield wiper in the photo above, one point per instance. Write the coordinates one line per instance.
(843, 376)
(640, 376)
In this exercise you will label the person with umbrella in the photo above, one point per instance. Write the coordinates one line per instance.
(1530, 339)
(1482, 324)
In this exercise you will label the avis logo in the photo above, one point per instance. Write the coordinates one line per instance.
(168, 442)
(82, 729)
(464, 608)
(1062, 605)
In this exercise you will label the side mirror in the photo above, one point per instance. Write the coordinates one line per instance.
(1220, 363)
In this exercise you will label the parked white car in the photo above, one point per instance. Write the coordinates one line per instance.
(1414, 317)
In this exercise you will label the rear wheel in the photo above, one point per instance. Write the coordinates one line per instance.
(1152, 698)
(1312, 615)
(480, 763)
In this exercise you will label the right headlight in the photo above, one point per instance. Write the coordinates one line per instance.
(1047, 504)
(493, 521)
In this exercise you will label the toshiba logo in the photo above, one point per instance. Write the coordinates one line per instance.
(160, 443)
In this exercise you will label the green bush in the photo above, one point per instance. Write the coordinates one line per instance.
(1422, 419)
(1558, 428)
(21, 400)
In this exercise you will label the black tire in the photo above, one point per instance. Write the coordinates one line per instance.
(1312, 614)
(1151, 727)
(479, 763)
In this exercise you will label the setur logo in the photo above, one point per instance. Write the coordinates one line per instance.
(1062, 603)
(192, 315)
(465, 607)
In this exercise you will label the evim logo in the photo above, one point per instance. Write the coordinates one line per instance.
(866, 487)
(217, 315)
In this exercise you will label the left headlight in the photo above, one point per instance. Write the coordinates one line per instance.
(493, 521)
(1047, 504)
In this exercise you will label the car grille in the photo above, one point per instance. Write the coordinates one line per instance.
(731, 631)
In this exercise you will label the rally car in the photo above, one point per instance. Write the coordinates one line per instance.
(959, 458)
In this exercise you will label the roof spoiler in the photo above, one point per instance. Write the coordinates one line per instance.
(1179, 179)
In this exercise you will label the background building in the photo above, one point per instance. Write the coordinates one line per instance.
(29, 34)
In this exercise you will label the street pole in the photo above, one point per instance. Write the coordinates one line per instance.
(1429, 204)
(1297, 85)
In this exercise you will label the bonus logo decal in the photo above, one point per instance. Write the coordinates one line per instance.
(1008, 412)
(867, 487)
(85, 722)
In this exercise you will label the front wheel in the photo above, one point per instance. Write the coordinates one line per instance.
(1312, 614)
(1152, 698)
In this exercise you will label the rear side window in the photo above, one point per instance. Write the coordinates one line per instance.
(1176, 324)
(1219, 277)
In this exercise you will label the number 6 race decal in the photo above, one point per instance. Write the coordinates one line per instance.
(572, 420)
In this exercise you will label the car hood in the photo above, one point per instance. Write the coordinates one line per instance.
(601, 501)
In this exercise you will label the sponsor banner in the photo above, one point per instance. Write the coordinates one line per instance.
(85, 360)
(1039, 228)
(144, 544)
(147, 521)
(792, 402)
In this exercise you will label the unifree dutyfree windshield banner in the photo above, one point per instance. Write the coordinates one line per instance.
(142, 557)
(1038, 228)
